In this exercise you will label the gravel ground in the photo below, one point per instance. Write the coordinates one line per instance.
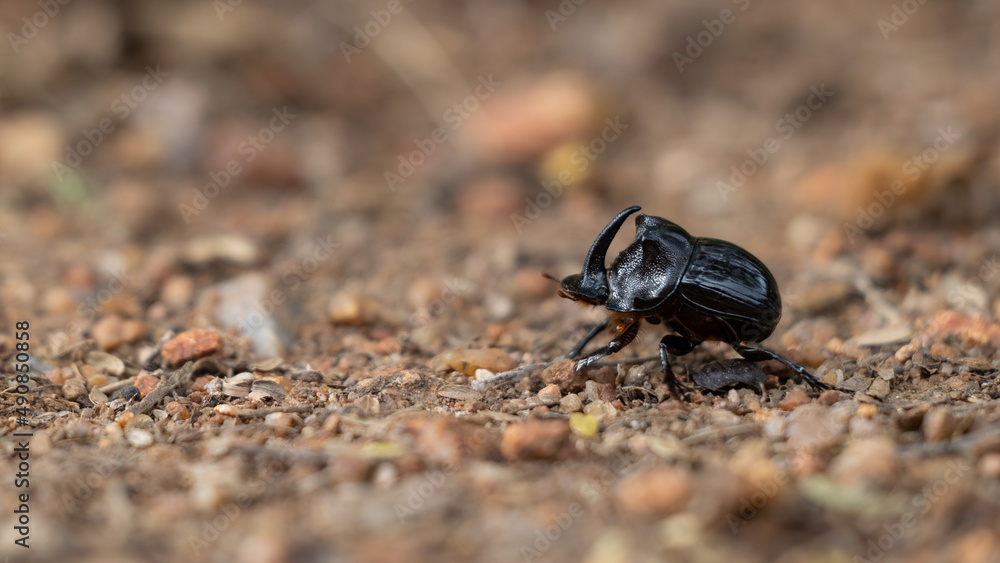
(268, 260)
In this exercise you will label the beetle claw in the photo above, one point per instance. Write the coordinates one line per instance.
(677, 389)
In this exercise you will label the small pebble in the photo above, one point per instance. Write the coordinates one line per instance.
(280, 420)
(681, 531)
(125, 418)
(733, 399)
(654, 492)
(112, 331)
(939, 424)
(191, 345)
(867, 410)
(56, 376)
(369, 404)
(889, 335)
(811, 428)
(176, 409)
(226, 247)
(537, 439)
(93, 377)
(613, 545)
(177, 291)
(447, 441)
(752, 462)
(775, 427)
(794, 399)
(422, 292)
(866, 463)
(879, 388)
(97, 396)
(384, 476)
(145, 383)
(549, 391)
(58, 301)
(139, 438)
(499, 307)
(563, 374)
(570, 403)
(331, 424)
(350, 309)
(227, 410)
(264, 547)
(593, 391)
(859, 427)
(668, 447)
(104, 362)
(113, 430)
(829, 397)
(944, 351)
(214, 385)
(583, 425)
(74, 388)
(470, 360)
(595, 409)
(989, 465)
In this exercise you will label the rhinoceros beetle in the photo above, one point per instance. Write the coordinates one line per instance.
(704, 289)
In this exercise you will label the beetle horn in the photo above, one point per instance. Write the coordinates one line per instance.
(593, 267)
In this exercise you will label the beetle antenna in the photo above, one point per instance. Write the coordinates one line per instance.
(548, 276)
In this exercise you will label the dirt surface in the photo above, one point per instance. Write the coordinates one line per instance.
(270, 258)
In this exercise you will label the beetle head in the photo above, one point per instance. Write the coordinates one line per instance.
(591, 285)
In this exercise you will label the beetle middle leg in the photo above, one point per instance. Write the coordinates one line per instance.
(678, 346)
(586, 339)
(761, 354)
(625, 332)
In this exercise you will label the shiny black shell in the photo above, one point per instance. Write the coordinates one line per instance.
(705, 289)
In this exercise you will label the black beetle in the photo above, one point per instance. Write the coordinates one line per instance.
(704, 289)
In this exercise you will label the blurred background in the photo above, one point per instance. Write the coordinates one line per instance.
(429, 160)
(496, 128)
(122, 118)
(697, 88)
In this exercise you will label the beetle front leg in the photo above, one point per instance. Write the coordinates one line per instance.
(761, 354)
(625, 333)
(586, 339)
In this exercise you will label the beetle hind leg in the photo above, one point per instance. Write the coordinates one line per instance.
(678, 346)
(761, 354)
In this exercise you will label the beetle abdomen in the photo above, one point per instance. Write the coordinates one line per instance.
(729, 287)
